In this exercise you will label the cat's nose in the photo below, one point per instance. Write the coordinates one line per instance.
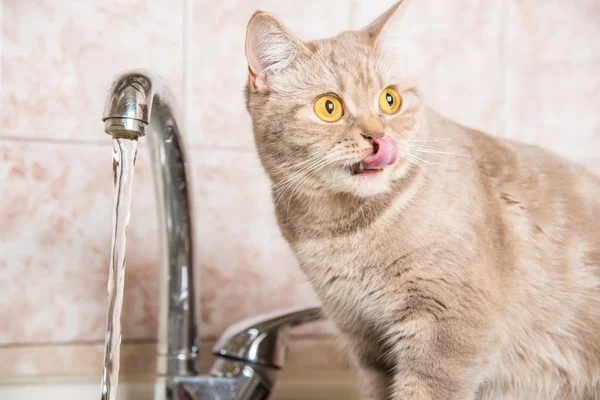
(373, 135)
(371, 127)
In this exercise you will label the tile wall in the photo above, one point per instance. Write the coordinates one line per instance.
(528, 70)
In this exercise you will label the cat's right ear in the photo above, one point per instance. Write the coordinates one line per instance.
(384, 30)
(270, 47)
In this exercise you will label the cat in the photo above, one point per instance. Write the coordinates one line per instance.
(455, 265)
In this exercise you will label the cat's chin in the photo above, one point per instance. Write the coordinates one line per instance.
(362, 182)
(369, 182)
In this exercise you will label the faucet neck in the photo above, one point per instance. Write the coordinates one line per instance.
(136, 99)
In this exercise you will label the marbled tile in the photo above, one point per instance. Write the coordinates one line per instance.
(553, 77)
(59, 56)
(218, 69)
(56, 213)
(451, 47)
(55, 243)
(247, 267)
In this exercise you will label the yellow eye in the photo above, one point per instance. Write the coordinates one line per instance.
(329, 108)
(390, 101)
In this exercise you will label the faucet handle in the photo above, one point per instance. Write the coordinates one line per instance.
(262, 339)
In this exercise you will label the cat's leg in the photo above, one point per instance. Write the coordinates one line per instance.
(373, 382)
(440, 362)
(437, 383)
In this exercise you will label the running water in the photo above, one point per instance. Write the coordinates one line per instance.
(124, 153)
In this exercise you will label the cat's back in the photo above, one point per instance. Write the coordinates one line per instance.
(545, 207)
(546, 210)
(535, 183)
(548, 188)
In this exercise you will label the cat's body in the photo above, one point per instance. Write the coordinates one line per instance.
(467, 270)
(496, 260)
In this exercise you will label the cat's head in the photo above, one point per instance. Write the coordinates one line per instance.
(331, 116)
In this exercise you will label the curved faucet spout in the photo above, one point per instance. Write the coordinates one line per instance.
(136, 99)
(249, 353)
(129, 103)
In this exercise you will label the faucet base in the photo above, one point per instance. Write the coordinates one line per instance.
(228, 380)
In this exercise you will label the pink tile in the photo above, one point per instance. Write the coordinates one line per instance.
(218, 69)
(553, 77)
(247, 266)
(55, 242)
(56, 212)
(451, 47)
(58, 57)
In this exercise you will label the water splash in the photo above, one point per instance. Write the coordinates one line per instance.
(124, 153)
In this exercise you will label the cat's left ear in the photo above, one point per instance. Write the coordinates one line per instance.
(384, 31)
(270, 47)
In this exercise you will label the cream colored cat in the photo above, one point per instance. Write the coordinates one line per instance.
(455, 264)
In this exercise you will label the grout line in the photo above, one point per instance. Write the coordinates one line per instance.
(47, 140)
(202, 147)
(86, 379)
(107, 143)
(73, 343)
(502, 66)
(207, 339)
(185, 40)
(1, 43)
(353, 7)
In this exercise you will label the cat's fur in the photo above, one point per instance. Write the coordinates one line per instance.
(469, 269)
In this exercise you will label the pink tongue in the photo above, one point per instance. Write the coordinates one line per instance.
(387, 154)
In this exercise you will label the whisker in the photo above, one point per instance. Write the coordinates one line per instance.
(294, 184)
(434, 140)
(417, 161)
(298, 177)
(436, 152)
(289, 165)
(295, 189)
(448, 165)
(301, 171)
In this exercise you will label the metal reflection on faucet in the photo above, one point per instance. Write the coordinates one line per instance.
(135, 99)
(250, 351)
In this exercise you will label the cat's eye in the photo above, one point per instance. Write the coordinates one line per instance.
(329, 108)
(390, 101)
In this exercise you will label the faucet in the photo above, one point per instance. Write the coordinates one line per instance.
(250, 352)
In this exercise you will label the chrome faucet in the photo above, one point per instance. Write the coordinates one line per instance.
(250, 352)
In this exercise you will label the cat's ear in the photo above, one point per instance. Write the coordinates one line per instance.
(383, 32)
(270, 46)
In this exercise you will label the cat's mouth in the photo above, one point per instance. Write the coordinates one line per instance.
(385, 152)
(359, 168)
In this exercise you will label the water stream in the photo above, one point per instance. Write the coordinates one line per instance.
(124, 153)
